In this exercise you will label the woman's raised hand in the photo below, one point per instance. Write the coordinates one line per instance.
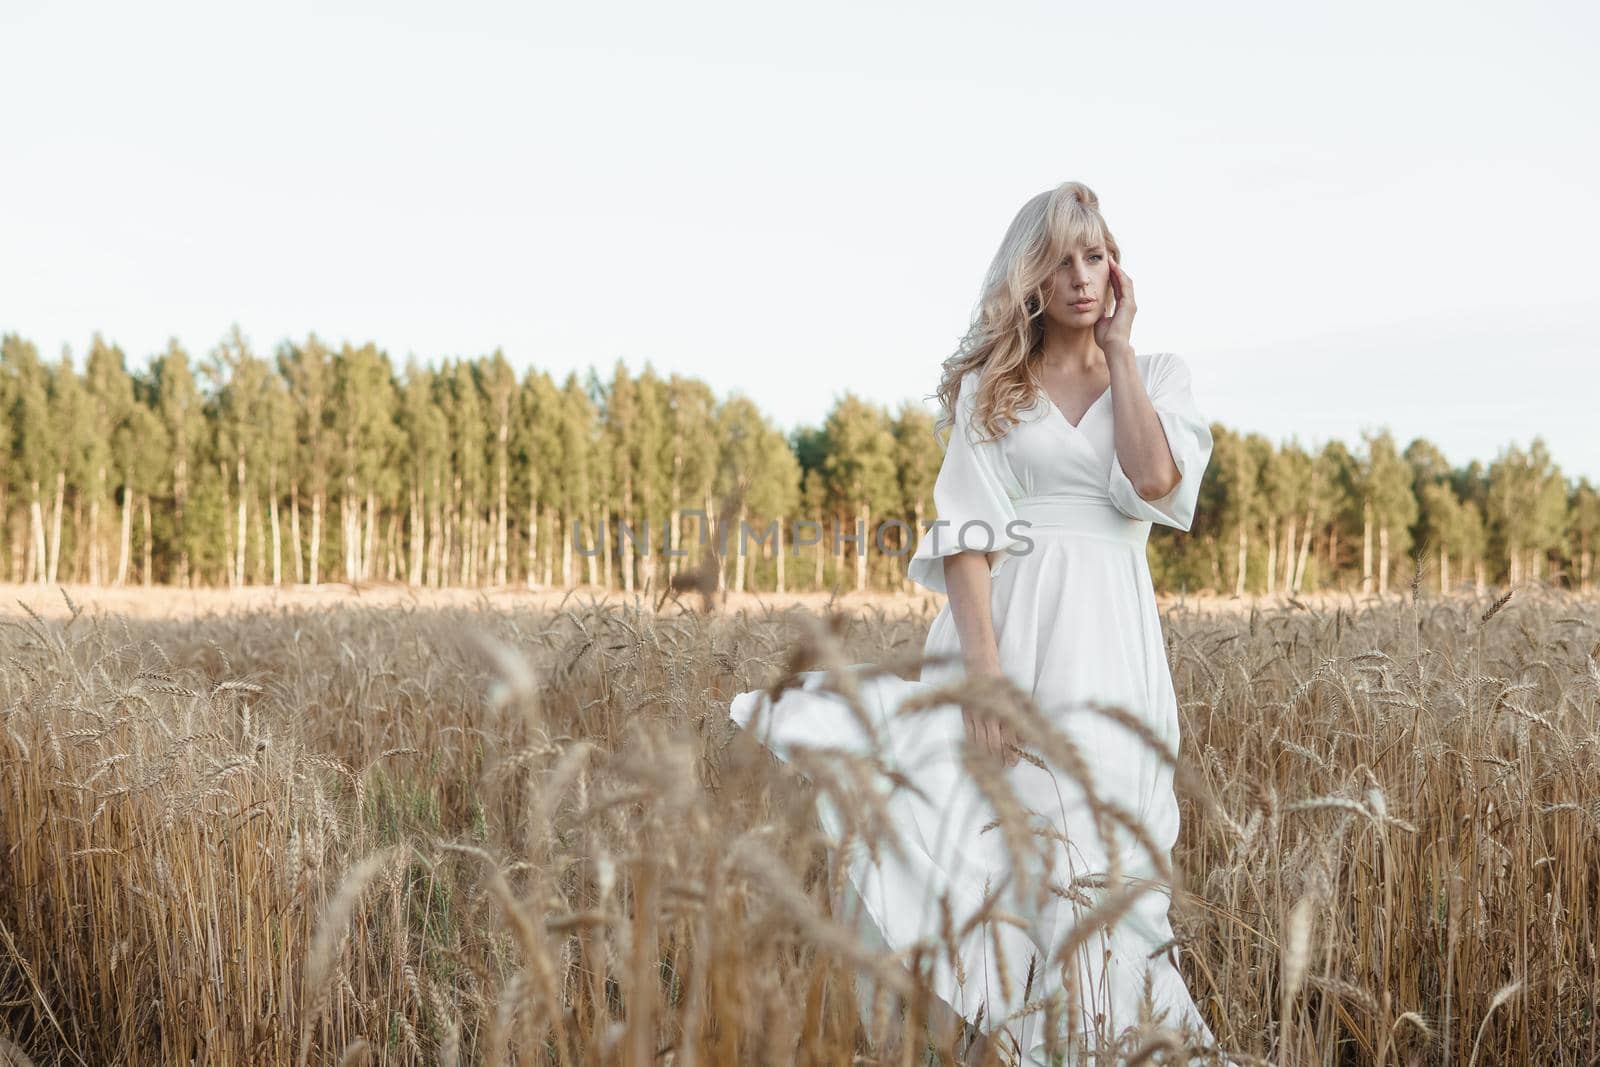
(1117, 327)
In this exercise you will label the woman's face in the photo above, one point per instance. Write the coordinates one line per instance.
(1084, 275)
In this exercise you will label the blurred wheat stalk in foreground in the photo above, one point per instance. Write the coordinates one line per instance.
(480, 836)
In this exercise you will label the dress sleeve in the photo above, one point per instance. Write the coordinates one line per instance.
(971, 487)
(1188, 438)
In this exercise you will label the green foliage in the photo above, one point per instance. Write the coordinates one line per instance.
(466, 473)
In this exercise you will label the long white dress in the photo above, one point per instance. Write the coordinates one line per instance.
(1076, 622)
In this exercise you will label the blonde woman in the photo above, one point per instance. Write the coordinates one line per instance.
(1065, 446)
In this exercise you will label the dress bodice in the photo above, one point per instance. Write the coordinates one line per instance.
(1047, 456)
(1044, 462)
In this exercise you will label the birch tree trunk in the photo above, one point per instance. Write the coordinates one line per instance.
(443, 513)
(1366, 548)
(624, 543)
(37, 555)
(81, 548)
(502, 514)
(1272, 555)
(1333, 550)
(459, 518)
(738, 549)
(227, 530)
(674, 533)
(552, 522)
(294, 532)
(421, 542)
(1243, 560)
(277, 540)
(436, 542)
(393, 557)
(1305, 555)
(490, 549)
(566, 555)
(822, 559)
(370, 544)
(55, 525)
(149, 546)
(125, 539)
(259, 575)
(95, 575)
(238, 565)
(1383, 559)
(344, 535)
(316, 535)
(781, 586)
(864, 516)
(533, 541)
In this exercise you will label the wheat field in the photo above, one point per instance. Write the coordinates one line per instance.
(486, 832)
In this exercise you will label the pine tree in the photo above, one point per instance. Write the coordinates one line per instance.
(110, 393)
(33, 453)
(364, 403)
(71, 433)
(917, 461)
(536, 441)
(691, 463)
(308, 371)
(581, 451)
(144, 453)
(861, 473)
(180, 407)
(426, 451)
(500, 399)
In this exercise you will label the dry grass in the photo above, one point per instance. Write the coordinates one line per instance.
(500, 833)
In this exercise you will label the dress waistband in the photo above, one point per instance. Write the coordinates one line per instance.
(1093, 516)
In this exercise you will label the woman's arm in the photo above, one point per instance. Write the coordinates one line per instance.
(968, 585)
(1139, 442)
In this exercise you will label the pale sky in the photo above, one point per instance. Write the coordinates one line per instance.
(1372, 215)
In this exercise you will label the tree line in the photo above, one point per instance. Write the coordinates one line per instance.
(317, 463)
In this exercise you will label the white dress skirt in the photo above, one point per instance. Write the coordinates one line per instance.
(1076, 623)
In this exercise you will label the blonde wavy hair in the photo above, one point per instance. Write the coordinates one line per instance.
(1008, 325)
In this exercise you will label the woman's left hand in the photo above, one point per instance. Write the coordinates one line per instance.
(1117, 328)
